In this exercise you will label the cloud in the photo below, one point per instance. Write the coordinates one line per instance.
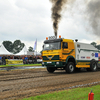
(28, 20)
(24, 19)
(93, 15)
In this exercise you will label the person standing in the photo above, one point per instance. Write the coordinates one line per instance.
(3, 60)
(0, 59)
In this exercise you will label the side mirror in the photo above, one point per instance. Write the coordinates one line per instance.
(43, 46)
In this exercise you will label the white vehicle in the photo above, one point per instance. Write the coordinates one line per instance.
(86, 55)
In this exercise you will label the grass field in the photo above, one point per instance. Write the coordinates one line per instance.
(21, 65)
(71, 94)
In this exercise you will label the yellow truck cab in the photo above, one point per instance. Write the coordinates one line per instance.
(68, 55)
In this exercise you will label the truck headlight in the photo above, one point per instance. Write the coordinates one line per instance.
(57, 63)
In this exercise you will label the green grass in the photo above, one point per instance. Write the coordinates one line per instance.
(21, 65)
(71, 94)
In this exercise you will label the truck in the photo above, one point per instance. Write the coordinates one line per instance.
(69, 55)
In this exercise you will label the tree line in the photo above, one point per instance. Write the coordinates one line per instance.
(95, 45)
(15, 47)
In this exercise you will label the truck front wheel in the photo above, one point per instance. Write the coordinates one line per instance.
(50, 69)
(70, 67)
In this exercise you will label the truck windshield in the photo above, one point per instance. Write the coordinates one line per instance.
(52, 46)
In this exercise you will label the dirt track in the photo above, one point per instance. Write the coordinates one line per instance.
(25, 83)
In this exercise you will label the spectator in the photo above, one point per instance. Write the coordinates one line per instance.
(0, 59)
(3, 60)
(9, 57)
(35, 59)
(26, 60)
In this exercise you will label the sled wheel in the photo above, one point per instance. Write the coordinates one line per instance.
(93, 66)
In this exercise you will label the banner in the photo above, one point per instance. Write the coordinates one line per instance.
(14, 62)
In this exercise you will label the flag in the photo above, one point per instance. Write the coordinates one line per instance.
(35, 44)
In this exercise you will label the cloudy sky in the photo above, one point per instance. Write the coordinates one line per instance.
(28, 20)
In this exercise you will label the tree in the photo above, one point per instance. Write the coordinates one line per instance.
(98, 47)
(15, 47)
(8, 45)
(30, 49)
(94, 44)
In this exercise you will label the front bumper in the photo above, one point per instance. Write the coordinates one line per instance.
(54, 64)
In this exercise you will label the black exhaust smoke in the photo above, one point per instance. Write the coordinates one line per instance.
(93, 10)
(57, 6)
(93, 14)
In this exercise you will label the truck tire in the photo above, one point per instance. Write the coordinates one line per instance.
(93, 66)
(50, 69)
(70, 67)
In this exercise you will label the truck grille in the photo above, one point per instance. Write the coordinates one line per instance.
(56, 57)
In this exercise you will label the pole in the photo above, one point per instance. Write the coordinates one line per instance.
(36, 46)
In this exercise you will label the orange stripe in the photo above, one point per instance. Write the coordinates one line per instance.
(83, 66)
